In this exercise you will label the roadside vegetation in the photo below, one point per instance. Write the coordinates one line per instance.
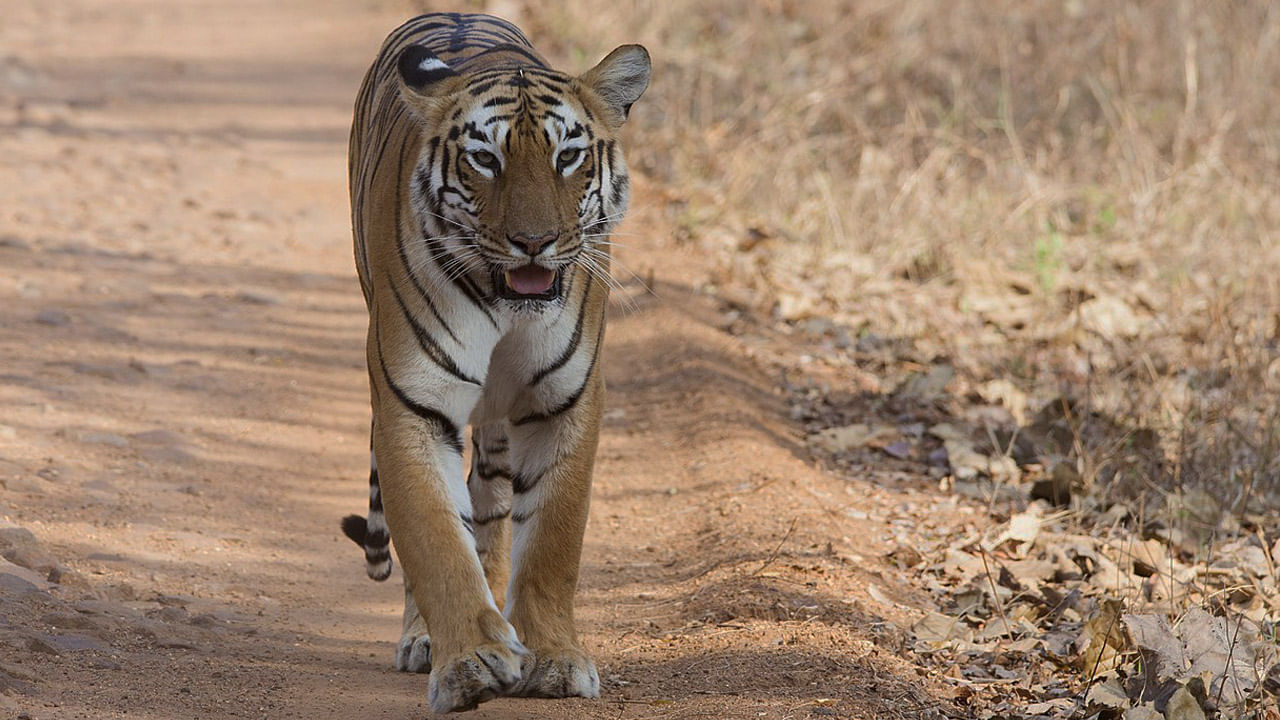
(1028, 252)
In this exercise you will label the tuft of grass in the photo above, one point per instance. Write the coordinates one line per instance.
(1048, 260)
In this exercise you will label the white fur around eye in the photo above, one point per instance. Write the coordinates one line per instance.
(569, 169)
(472, 151)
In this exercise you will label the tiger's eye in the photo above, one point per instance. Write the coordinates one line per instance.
(486, 159)
(567, 157)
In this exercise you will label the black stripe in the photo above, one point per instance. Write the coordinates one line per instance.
(521, 484)
(523, 52)
(404, 255)
(482, 521)
(360, 176)
(445, 188)
(452, 437)
(577, 394)
(574, 340)
(376, 538)
(467, 523)
(428, 344)
(601, 155)
(620, 183)
(492, 670)
(422, 291)
(497, 446)
(375, 493)
(521, 517)
(477, 296)
(464, 284)
(398, 35)
(376, 555)
(491, 472)
(482, 87)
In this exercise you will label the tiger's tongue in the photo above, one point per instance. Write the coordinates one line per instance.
(530, 279)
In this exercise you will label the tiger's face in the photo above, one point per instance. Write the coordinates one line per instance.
(520, 173)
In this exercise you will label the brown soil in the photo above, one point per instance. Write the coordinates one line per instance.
(184, 415)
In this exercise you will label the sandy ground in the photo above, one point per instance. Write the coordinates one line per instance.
(183, 415)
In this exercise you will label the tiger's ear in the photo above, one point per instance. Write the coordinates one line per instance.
(426, 82)
(620, 79)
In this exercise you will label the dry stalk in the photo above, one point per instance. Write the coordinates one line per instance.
(995, 594)
(773, 555)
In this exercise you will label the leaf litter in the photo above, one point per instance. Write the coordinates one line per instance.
(1072, 602)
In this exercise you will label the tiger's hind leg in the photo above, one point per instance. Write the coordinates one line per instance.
(413, 653)
(490, 487)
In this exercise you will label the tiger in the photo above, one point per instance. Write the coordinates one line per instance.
(484, 189)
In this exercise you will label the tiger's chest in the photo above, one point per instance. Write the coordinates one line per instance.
(540, 364)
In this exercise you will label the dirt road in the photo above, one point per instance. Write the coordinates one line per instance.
(183, 414)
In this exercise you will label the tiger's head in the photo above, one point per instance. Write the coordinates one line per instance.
(520, 174)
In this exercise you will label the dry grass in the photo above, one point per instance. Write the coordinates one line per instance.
(1078, 196)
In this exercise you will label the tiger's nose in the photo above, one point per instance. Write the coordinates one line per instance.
(533, 244)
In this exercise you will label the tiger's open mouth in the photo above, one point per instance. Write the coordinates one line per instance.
(527, 282)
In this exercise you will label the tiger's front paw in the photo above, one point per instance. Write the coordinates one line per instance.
(413, 654)
(558, 674)
(468, 680)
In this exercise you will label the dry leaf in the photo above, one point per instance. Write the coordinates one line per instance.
(1006, 394)
(1023, 529)
(966, 463)
(1253, 559)
(927, 386)
(937, 629)
(1030, 572)
(849, 437)
(962, 565)
(1102, 640)
(947, 431)
(1183, 706)
(1161, 651)
(1145, 711)
(1224, 648)
(1150, 558)
(879, 596)
(1025, 645)
(1109, 317)
(1107, 693)
(1058, 707)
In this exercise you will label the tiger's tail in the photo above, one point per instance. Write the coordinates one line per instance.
(371, 533)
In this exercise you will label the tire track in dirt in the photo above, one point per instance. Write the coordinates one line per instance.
(185, 404)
